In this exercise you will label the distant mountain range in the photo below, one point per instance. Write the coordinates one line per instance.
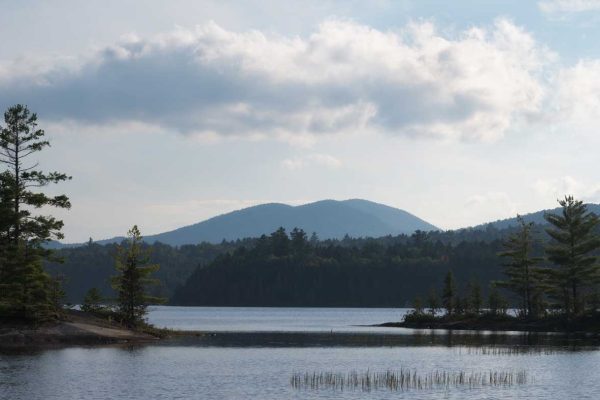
(535, 217)
(329, 219)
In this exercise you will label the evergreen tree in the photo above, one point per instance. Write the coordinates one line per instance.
(475, 299)
(449, 293)
(418, 305)
(25, 289)
(299, 242)
(433, 302)
(133, 279)
(496, 303)
(280, 243)
(92, 300)
(57, 294)
(314, 239)
(524, 276)
(571, 251)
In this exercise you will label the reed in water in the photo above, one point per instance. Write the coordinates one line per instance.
(405, 379)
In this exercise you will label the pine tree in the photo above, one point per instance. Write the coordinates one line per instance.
(433, 302)
(571, 251)
(92, 300)
(449, 293)
(133, 279)
(314, 239)
(475, 299)
(496, 303)
(280, 243)
(521, 268)
(299, 242)
(25, 288)
(418, 305)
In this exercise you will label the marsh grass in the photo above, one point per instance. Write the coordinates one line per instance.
(405, 379)
(518, 350)
(508, 351)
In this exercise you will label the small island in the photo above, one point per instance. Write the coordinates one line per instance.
(587, 324)
(563, 297)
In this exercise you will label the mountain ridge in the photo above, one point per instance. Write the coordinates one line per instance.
(330, 219)
(536, 217)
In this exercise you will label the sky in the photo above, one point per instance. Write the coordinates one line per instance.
(167, 113)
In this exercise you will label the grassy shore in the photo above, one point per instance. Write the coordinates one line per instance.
(589, 323)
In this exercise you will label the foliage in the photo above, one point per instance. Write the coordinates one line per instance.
(388, 271)
(26, 291)
(497, 305)
(571, 251)
(92, 301)
(418, 305)
(449, 298)
(433, 301)
(420, 318)
(525, 278)
(92, 265)
(475, 299)
(132, 280)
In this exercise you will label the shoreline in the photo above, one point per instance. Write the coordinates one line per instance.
(77, 328)
(587, 325)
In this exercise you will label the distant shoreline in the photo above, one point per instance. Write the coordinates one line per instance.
(558, 324)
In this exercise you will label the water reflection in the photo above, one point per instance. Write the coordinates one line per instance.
(238, 361)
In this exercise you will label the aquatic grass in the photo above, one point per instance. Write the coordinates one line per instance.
(515, 350)
(405, 379)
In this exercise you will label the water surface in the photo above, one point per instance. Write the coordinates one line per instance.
(223, 368)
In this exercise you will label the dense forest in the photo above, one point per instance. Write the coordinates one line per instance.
(290, 271)
(294, 270)
(92, 265)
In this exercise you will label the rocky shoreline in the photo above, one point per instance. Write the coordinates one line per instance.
(77, 328)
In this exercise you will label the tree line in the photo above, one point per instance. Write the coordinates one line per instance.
(293, 269)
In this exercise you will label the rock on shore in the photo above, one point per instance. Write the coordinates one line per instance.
(78, 328)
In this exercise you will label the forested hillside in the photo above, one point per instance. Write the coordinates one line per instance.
(383, 272)
(92, 265)
(273, 270)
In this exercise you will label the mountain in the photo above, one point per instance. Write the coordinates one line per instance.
(535, 217)
(328, 218)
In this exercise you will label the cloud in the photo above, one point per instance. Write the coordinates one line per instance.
(567, 185)
(344, 77)
(568, 6)
(318, 160)
(578, 93)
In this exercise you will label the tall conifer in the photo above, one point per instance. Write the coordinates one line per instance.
(521, 268)
(24, 286)
(133, 279)
(449, 293)
(571, 251)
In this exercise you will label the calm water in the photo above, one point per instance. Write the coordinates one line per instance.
(258, 319)
(224, 369)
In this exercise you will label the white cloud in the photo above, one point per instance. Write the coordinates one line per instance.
(567, 185)
(318, 160)
(343, 78)
(578, 93)
(568, 6)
